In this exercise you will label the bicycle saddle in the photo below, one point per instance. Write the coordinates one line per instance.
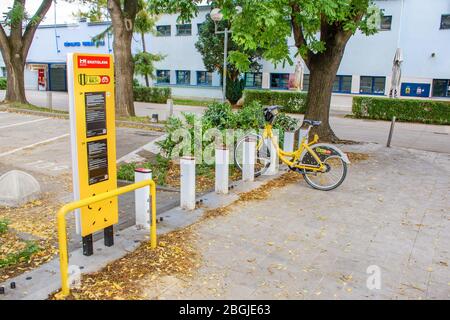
(314, 123)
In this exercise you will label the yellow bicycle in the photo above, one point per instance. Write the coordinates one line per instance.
(323, 166)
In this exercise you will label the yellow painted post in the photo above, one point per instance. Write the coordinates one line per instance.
(153, 227)
(61, 221)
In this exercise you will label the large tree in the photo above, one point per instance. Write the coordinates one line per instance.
(123, 15)
(16, 35)
(320, 30)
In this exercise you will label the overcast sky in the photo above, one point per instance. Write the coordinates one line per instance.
(64, 10)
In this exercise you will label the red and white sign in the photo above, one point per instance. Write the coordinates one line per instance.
(93, 62)
(104, 79)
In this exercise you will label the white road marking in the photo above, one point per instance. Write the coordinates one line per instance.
(22, 123)
(33, 145)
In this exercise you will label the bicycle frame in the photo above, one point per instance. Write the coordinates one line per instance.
(291, 158)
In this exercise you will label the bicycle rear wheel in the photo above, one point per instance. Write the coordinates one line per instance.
(335, 168)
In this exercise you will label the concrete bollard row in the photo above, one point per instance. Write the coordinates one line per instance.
(142, 199)
(187, 183)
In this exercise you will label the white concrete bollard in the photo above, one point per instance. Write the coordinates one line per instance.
(187, 183)
(222, 166)
(288, 144)
(169, 108)
(248, 159)
(49, 100)
(142, 198)
(273, 167)
(302, 134)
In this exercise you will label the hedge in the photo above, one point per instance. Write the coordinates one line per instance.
(411, 110)
(292, 101)
(2, 83)
(152, 94)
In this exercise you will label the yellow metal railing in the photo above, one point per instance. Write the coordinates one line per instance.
(61, 217)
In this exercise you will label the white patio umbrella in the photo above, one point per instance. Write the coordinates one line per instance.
(297, 83)
(396, 73)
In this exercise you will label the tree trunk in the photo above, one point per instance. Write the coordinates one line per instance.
(323, 68)
(15, 90)
(123, 21)
(124, 70)
(144, 49)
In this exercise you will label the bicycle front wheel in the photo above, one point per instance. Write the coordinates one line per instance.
(262, 154)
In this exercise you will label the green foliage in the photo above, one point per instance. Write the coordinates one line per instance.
(286, 123)
(268, 24)
(211, 45)
(3, 226)
(22, 256)
(2, 83)
(291, 101)
(159, 169)
(250, 116)
(220, 116)
(94, 10)
(413, 110)
(144, 63)
(152, 94)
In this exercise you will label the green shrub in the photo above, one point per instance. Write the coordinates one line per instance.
(291, 101)
(152, 94)
(2, 83)
(234, 90)
(221, 116)
(412, 110)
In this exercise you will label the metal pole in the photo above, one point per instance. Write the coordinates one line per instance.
(391, 132)
(225, 54)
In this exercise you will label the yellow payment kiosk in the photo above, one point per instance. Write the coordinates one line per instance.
(93, 141)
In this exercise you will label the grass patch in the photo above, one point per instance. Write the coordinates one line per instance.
(167, 173)
(159, 169)
(192, 102)
(13, 250)
(3, 226)
(35, 108)
(21, 256)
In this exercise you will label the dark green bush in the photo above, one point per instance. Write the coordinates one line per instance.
(152, 94)
(291, 101)
(411, 110)
(2, 83)
(234, 90)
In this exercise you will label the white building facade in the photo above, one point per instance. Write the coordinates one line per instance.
(420, 28)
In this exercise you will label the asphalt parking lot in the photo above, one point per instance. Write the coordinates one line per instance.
(41, 145)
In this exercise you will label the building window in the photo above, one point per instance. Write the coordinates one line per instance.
(184, 29)
(372, 85)
(441, 88)
(386, 22)
(183, 77)
(253, 79)
(163, 31)
(3, 72)
(204, 78)
(199, 27)
(342, 84)
(305, 82)
(445, 21)
(163, 76)
(279, 80)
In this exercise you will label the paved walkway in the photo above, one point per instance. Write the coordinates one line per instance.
(391, 213)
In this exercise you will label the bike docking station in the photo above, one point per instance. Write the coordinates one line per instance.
(93, 146)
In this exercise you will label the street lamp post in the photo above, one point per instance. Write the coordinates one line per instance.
(217, 16)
